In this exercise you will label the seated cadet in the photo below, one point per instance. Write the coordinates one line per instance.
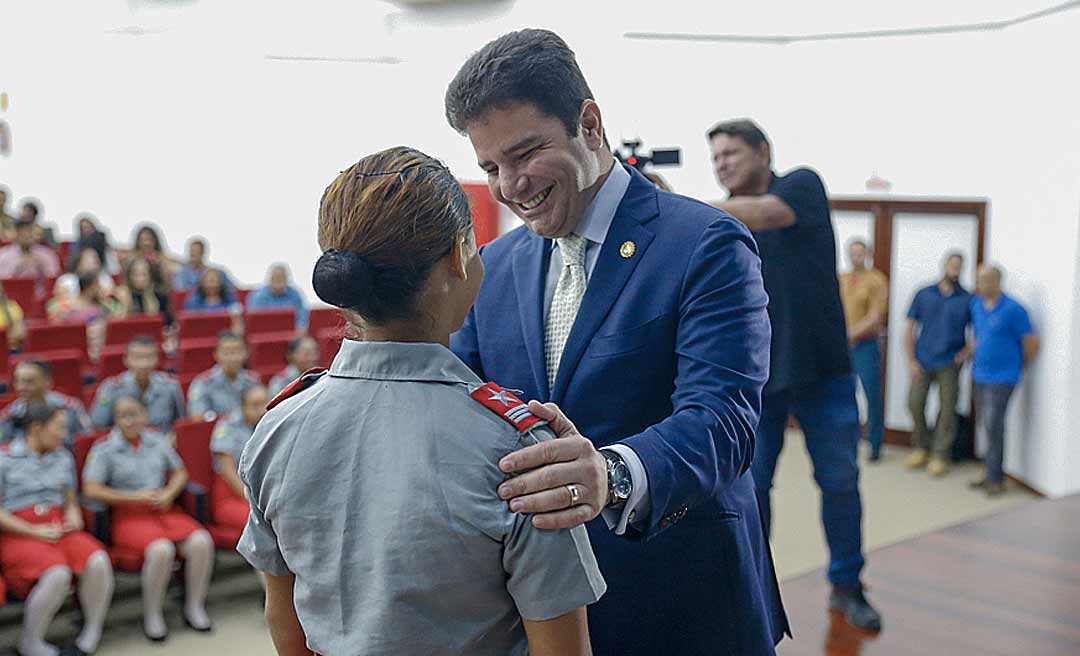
(228, 503)
(218, 391)
(42, 544)
(374, 511)
(137, 473)
(302, 354)
(33, 382)
(158, 391)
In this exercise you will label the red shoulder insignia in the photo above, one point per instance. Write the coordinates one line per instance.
(506, 405)
(306, 380)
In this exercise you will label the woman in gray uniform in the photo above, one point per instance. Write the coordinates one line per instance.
(42, 544)
(372, 487)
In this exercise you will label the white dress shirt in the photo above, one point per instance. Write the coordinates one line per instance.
(593, 226)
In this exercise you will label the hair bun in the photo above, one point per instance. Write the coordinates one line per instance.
(343, 279)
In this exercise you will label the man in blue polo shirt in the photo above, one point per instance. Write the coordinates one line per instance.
(936, 348)
(1005, 343)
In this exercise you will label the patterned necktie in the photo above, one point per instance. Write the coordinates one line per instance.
(565, 303)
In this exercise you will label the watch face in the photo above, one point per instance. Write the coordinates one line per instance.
(620, 480)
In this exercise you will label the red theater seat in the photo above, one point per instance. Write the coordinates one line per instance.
(270, 321)
(56, 338)
(203, 324)
(121, 331)
(195, 356)
(193, 445)
(323, 318)
(66, 369)
(24, 292)
(268, 352)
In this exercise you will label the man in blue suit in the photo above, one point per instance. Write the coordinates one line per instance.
(642, 314)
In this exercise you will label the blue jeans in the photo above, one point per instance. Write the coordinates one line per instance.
(829, 418)
(866, 357)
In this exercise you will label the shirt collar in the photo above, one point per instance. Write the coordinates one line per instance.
(419, 362)
(596, 221)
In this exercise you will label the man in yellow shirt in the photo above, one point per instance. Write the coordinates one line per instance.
(865, 295)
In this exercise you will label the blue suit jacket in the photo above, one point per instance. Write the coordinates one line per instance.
(668, 354)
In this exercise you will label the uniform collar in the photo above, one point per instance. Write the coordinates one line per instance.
(20, 449)
(117, 439)
(420, 362)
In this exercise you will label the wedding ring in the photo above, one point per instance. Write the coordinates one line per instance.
(575, 494)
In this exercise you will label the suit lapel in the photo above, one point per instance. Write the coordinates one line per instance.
(531, 259)
(612, 271)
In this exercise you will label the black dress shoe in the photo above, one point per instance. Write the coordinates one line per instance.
(857, 611)
(73, 650)
(201, 629)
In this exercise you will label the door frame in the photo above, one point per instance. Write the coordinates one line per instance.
(884, 211)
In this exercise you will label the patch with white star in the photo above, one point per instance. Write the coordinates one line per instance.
(506, 405)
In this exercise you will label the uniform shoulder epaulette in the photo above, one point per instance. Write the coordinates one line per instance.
(306, 380)
(512, 409)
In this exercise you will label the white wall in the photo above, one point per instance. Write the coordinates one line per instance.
(193, 128)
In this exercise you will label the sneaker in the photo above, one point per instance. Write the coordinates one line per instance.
(917, 460)
(937, 467)
(874, 458)
(857, 611)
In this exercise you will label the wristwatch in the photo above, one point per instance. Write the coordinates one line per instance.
(620, 485)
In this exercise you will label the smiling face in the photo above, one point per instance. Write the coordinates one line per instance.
(544, 176)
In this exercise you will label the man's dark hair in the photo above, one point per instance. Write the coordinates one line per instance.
(36, 412)
(44, 367)
(954, 253)
(533, 66)
(32, 206)
(743, 128)
(142, 340)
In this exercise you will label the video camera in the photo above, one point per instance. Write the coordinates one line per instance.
(658, 157)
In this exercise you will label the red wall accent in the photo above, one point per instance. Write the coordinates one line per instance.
(485, 212)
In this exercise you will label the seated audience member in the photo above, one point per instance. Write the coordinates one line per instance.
(188, 275)
(148, 246)
(7, 221)
(228, 501)
(88, 262)
(11, 320)
(31, 211)
(90, 308)
(218, 390)
(302, 354)
(211, 295)
(90, 236)
(33, 384)
(26, 258)
(140, 297)
(157, 391)
(279, 293)
(1005, 344)
(138, 474)
(42, 542)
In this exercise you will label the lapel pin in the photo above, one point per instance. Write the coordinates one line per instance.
(627, 250)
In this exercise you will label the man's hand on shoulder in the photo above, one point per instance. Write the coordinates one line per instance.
(556, 465)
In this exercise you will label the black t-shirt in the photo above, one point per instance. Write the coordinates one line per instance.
(798, 263)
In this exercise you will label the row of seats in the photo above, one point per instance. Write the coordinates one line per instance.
(267, 333)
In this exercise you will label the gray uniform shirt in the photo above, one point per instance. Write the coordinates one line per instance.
(114, 463)
(213, 392)
(230, 436)
(163, 398)
(29, 479)
(376, 488)
(282, 379)
(77, 419)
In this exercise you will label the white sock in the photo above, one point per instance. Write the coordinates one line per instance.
(44, 602)
(157, 567)
(198, 553)
(95, 593)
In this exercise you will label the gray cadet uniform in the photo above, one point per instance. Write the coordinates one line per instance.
(376, 488)
(164, 400)
(31, 480)
(281, 380)
(230, 436)
(211, 391)
(77, 419)
(114, 463)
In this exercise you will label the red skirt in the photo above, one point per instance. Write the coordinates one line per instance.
(24, 559)
(134, 527)
(226, 508)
